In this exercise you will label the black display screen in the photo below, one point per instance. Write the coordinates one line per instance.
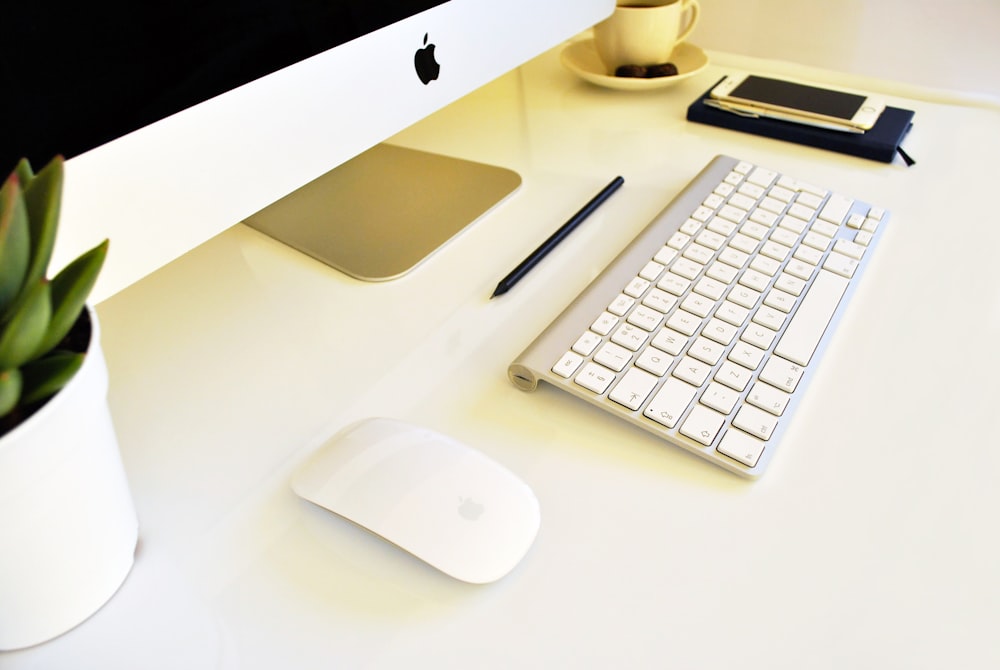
(798, 96)
(77, 75)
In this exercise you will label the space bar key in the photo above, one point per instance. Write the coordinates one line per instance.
(807, 326)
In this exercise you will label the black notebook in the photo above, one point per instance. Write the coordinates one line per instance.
(880, 143)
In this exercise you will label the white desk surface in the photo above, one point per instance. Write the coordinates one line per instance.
(871, 542)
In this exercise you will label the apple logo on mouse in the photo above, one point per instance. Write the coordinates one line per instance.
(427, 66)
(469, 509)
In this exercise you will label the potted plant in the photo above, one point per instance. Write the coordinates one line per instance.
(68, 527)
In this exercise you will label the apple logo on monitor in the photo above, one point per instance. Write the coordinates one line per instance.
(428, 68)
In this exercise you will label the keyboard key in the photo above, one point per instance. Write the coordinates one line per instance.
(764, 217)
(780, 300)
(742, 447)
(684, 322)
(734, 376)
(782, 374)
(636, 287)
(720, 331)
(773, 205)
(759, 336)
(836, 209)
(772, 249)
(670, 402)
(808, 255)
(722, 272)
(711, 288)
(711, 239)
(706, 350)
(768, 398)
(651, 272)
(686, 268)
(801, 269)
(604, 323)
(719, 397)
(665, 255)
(746, 355)
(595, 377)
(824, 228)
(745, 296)
(816, 241)
(670, 341)
(698, 305)
(769, 317)
(731, 313)
(762, 177)
(692, 371)
(613, 356)
(646, 318)
(806, 328)
(800, 211)
(755, 421)
(721, 226)
(634, 388)
(568, 364)
(840, 264)
(673, 283)
(621, 305)
(703, 424)
(734, 214)
(768, 266)
(849, 249)
(789, 283)
(690, 227)
(655, 361)
(734, 257)
(586, 343)
(745, 198)
(659, 300)
(784, 237)
(629, 336)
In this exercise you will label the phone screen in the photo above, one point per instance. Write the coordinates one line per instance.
(798, 96)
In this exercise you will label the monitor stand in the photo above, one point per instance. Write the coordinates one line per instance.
(377, 216)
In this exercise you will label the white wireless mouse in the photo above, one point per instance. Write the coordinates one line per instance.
(444, 502)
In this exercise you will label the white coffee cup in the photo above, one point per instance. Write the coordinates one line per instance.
(644, 32)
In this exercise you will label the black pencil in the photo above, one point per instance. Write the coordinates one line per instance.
(508, 282)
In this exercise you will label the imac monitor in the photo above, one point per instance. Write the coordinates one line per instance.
(181, 119)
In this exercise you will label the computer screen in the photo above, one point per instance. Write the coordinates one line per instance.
(75, 78)
(227, 106)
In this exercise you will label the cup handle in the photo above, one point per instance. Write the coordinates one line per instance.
(693, 20)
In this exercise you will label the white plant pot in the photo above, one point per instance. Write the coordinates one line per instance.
(68, 528)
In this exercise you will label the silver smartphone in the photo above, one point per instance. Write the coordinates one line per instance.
(753, 95)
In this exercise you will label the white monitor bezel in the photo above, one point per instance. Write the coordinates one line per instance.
(164, 189)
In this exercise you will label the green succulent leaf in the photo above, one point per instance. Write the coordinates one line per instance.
(44, 377)
(70, 289)
(10, 390)
(21, 336)
(14, 244)
(24, 172)
(43, 197)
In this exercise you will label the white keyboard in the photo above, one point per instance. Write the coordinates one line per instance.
(706, 329)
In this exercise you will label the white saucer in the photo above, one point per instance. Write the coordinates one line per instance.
(581, 58)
